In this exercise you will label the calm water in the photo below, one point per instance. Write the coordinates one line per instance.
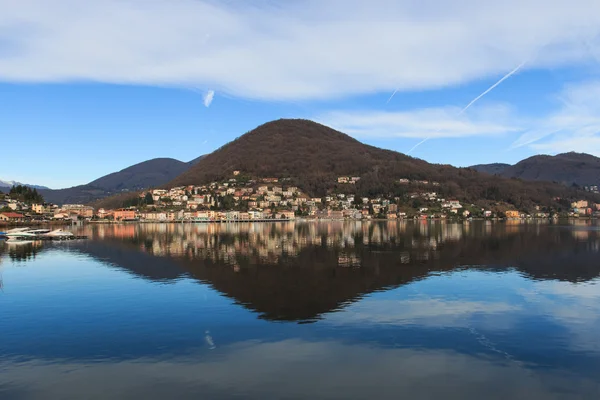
(305, 310)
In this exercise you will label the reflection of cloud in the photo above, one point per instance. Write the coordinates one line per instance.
(421, 311)
(292, 369)
(575, 306)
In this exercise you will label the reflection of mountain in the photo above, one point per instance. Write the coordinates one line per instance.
(300, 271)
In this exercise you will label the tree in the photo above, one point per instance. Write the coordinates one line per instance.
(148, 199)
(25, 194)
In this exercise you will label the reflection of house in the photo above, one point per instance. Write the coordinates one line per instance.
(11, 217)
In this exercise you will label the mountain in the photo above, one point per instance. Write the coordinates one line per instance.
(147, 174)
(302, 149)
(312, 156)
(9, 184)
(492, 169)
(566, 168)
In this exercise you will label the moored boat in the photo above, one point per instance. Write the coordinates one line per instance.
(59, 234)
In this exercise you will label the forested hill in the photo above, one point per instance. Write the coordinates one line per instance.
(312, 156)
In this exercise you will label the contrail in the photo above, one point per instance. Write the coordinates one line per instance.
(505, 77)
(392, 96)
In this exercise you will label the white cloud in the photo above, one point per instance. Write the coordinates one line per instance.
(422, 123)
(574, 126)
(292, 50)
(207, 98)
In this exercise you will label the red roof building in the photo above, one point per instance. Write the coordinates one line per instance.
(11, 217)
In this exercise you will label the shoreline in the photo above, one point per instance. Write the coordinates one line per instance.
(4, 224)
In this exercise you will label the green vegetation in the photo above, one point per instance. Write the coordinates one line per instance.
(25, 194)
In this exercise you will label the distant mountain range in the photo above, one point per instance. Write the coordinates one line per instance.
(147, 174)
(9, 184)
(567, 168)
(312, 156)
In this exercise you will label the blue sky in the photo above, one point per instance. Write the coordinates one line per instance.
(88, 88)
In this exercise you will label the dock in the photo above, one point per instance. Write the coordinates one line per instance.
(43, 238)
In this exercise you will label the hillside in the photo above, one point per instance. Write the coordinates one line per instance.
(309, 152)
(492, 169)
(312, 156)
(567, 168)
(147, 174)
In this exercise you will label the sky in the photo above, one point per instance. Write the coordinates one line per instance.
(91, 87)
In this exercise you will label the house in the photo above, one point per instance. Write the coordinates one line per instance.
(288, 214)
(124, 214)
(255, 214)
(236, 173)
(452, 204)
(512, 214)
(11, 217)
(38, 208)
(102, 213)
(337, 215)
(579, 204)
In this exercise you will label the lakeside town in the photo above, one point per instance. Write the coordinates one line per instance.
(272, 199)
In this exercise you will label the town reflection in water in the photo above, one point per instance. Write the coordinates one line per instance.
(305, 310)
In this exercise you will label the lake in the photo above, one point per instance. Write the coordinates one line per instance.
(318, 310)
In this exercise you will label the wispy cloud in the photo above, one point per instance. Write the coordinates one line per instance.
(573, 126)
(476, 99)
(208, 98)
(305, 49)
(423, 123)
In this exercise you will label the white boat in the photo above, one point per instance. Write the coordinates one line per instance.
(26, 233)
(59, 234)
(15, 230)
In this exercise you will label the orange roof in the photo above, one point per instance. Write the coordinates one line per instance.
(12, 215)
